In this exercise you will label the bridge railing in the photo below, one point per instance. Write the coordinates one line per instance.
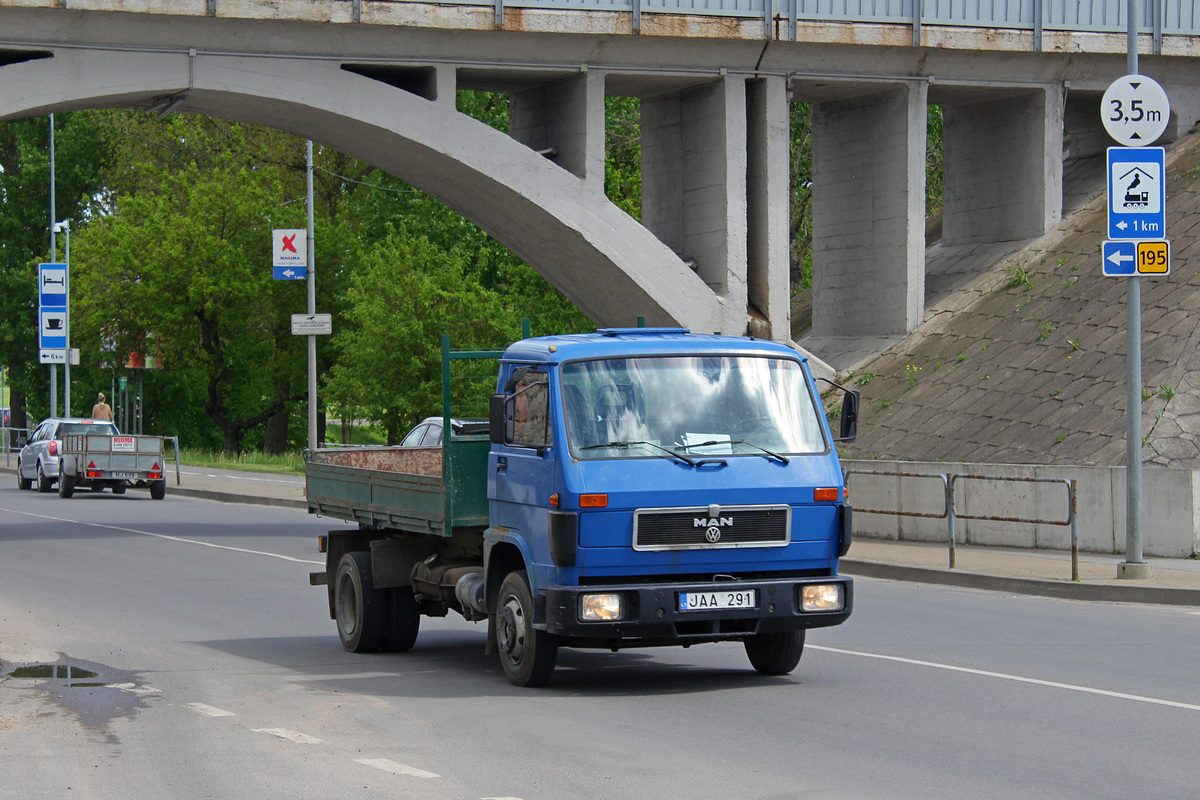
(1158, 17)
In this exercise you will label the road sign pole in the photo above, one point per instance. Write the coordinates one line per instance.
(66, 227)
(53, 257)
(312, 309)
(1134, 566)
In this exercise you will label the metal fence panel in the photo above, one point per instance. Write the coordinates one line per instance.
(980, 13)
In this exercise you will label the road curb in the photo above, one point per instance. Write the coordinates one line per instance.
(230, 497)
(1066, 590)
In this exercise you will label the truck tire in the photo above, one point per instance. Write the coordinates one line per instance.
(775, 653)
(44, 483)
(66, 485)
(23, 483)
(527, 654)
(158, 489)
(360, 609)
(119, 489)
(404, 621)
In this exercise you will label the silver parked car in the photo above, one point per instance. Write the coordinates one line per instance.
(38, 460)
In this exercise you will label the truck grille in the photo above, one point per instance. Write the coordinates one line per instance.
(711, 527)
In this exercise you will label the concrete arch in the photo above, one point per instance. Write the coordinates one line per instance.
(558, 222)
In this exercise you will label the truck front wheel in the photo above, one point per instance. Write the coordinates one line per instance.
(361, 610)
(527, 654)
(775, 653)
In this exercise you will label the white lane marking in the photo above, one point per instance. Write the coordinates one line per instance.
(1018, 678)
(291, 736)
(395, 768)
(167, 538)
(501, 798)
(352, 676)
(133, 688)
(209, 711)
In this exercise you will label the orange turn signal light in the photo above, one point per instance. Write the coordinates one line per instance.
(593, 501)
(827, 494)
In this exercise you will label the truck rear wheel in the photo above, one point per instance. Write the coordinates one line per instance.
(66, 485)
(119, 488)
(527, 654)
(405, 620)
(361, 610)
(158, 489)
(775, 653)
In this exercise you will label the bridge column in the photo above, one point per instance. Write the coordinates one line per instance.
(768, 273)
(1003, 167)
(566, 120)
(694, 185)
(868, 172)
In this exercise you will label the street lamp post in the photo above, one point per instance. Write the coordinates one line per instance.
(65, 227)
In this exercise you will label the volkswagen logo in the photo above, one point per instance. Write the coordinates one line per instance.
(713, 534)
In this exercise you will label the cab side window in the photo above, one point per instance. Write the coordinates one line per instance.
(531, 414)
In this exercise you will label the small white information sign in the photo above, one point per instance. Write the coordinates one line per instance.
(289, 247)
(57, 356)
(312, 324)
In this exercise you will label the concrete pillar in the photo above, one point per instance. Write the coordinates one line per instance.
(768, 274)
(567, 116)
(694, 185)
(869, 213)
(1003, 167)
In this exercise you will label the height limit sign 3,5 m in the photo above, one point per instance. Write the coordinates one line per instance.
(1137, 193)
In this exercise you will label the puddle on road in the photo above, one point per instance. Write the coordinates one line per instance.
(93, 693)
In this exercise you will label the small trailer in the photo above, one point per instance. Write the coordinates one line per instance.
(96, 461)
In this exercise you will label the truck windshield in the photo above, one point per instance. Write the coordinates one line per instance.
(700, 406)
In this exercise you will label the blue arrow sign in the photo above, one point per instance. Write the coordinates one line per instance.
(290, 273)
(1120, 258)
(1137, 193)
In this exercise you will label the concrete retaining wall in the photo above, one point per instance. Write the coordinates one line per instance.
(1170, 506)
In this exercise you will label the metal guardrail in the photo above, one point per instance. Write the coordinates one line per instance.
(11, 441)
(950, 513)
(1157, 17)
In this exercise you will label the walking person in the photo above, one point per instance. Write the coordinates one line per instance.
(102, 410)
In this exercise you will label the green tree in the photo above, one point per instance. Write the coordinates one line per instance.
(403, 296)
(81, 153)
(178, 269)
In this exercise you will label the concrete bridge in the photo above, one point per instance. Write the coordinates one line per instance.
(377, 80)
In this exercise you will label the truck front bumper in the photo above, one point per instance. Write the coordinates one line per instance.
(652, 613)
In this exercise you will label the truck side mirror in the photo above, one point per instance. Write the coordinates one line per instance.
(496, 419)
(849, 426)
(499, 420)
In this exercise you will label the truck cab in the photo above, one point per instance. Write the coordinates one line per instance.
(654, 486)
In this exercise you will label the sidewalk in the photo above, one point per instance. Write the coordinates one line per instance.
(1173, 581)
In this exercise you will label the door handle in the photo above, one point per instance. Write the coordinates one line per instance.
(501, 465)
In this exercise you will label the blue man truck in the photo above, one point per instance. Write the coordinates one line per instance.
(635, 487)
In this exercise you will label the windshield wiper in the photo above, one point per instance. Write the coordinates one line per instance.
(767, 453)
(668, 453)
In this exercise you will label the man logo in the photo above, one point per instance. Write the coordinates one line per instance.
(713, 534)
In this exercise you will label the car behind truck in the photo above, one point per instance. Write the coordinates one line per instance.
(636, 487)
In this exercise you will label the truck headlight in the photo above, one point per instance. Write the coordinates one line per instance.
(600, 607)
(821, 597)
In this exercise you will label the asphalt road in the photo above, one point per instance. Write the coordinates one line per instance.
(218, 673)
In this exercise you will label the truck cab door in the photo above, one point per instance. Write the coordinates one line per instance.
(524, 461)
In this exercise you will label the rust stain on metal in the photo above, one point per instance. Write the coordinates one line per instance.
(425, 461)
